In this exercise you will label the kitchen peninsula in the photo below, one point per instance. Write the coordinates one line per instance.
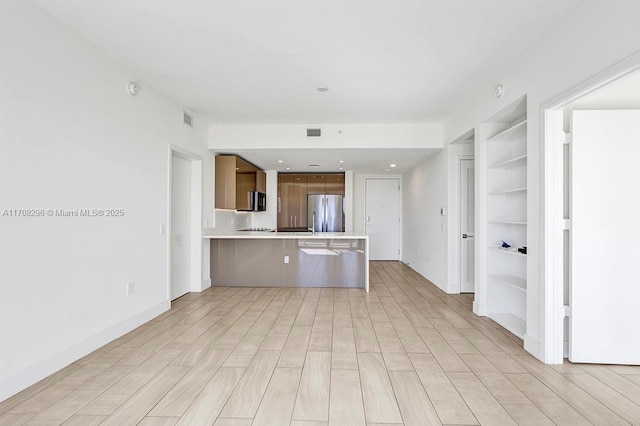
(289, 259)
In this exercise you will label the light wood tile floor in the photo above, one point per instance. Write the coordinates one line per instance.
(406, 353)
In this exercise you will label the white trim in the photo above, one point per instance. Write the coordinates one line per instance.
(453, 221)
(480, 309)
(531, 345)
(196, 282)
(26, 377)
(205, 283)
(551, 209)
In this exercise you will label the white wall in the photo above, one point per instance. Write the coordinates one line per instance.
(425, 235)
(72, 137)
(333, 136)
(593, 38)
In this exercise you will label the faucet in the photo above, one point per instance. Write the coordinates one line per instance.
(313, 224)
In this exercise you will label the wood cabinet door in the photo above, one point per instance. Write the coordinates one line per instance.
(334, 184)
(261, 181)
(225, 183)
(316, 184)
(298, 201)
(285, 188)
(245, 183)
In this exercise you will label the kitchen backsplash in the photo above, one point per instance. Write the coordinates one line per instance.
(230, 220)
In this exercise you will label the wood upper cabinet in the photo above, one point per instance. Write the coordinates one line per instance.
(316, 184)
(292, 196)
(225, 184)
(261, 181)
(235, 179)
(334, 184)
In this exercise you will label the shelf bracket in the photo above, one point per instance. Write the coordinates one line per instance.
(566, 311)
(566, 224)
(566, 138)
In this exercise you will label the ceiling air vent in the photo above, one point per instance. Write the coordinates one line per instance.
(314, 133)
(187, 119)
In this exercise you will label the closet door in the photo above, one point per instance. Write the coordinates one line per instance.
(605, 237)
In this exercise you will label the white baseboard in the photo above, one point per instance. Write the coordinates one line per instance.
(14, 383)
(205, 284)
(437, 281)
(479, 309)
(532, 346)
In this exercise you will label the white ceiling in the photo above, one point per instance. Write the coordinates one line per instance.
(248, 61)
(623, 93)
(358, 160)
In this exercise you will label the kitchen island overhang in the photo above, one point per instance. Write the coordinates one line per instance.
(289, 259)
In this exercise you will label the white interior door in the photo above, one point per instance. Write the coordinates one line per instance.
(467, 226)
(180, 225)
(383, 218)
(605, 188)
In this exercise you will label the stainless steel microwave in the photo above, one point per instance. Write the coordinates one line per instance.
(258, 201)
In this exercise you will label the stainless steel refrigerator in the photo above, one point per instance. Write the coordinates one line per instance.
(329, 213)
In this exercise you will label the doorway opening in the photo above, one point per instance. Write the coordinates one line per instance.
(184, 242)
(461, 216)
(590, 225)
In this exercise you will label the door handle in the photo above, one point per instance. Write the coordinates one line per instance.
(368, 218)
(467, 236)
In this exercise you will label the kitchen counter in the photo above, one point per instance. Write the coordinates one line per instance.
(282, 235)
(289, 259)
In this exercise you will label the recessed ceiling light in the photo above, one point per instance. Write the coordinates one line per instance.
(280, 161)
(341, 168)
(392, 165)
(341, 161)
(287, 168)
(323, 89)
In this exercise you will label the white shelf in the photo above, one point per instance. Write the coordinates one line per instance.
(513, 191)
(508, 251)
(511, 163)
(514, 132)
(507, 222)
(511, 323)
(511, 280)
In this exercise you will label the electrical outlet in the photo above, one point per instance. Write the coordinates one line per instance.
(286, 259)
(130, 288)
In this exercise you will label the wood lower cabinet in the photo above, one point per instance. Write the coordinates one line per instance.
(292, 196)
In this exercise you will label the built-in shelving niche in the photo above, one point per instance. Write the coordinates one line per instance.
(505, 272)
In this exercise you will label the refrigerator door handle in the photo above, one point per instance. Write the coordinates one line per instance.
(325, 226)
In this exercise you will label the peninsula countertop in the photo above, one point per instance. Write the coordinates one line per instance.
(219, 235)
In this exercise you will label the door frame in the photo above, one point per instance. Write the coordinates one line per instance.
(400, 213)
(195, 235)
(454, 154)
(458, 222)
(551, 153)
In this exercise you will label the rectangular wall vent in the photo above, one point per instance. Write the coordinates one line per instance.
(314, 133)
(187, 119)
